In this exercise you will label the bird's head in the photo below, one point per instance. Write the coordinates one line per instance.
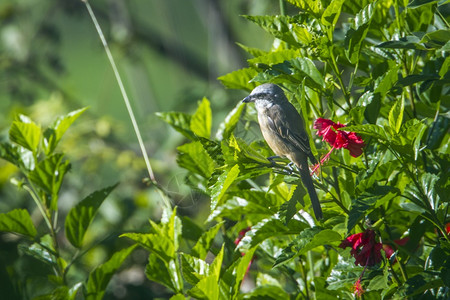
(267, 92)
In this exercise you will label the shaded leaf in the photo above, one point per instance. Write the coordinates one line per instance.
(202, 246)
(81, 216)
(17, 221)
(100, 277)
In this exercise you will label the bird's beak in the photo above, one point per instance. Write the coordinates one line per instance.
(247, 99)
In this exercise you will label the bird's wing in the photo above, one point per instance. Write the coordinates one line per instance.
(287, 123)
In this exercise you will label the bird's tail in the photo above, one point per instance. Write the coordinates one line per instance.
(309, 185)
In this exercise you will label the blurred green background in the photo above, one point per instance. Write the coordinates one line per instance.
(169, 54)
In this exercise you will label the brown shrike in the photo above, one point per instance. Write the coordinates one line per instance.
(283, 129)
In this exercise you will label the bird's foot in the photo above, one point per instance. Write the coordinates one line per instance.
(272, 160)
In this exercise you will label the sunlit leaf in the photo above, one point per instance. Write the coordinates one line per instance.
(227, 127)
(81, 216)
(332, 12)
(54, 133)
(193, 268)
(100, 277)
(25, 133)
(179, 121)
(195, 158)
(202, 119)
(17, 221)
(225, 180)
(396, 115)
(49, 174)
(240, 79)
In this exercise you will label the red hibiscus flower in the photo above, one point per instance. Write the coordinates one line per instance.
(365, 250)
(339, 138)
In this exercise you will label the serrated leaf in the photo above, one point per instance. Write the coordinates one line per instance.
(356, 34)
(241, 269)
(311, 6)
(195, 158)
(193, 268)
(332, 12)
(275, 57)
(396, 115)
(202, 119)
(166, 273)
(407, 42)
(25, 133)
(368, 201)
(307, 240)
(18, 221)
(100, 277)
(179, 121)
(240, 79)
(81, 216)
(225, 180)
(202, 246)
(49, 174)
(227, 127)
(54, 133)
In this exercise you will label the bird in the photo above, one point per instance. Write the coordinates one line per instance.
(283, 129)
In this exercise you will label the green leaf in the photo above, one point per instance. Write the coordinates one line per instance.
(407, 42)
(80, 216)
(312, 6)
(240, 79)
(275, 57)
(368, 201)
(225, 180)
(54, 133)
(417, 3)
(202, 246)
(202, 119)
(181, 122)
(307, 240)
(166, 273)
(49, 174)
(193, 268)
(241, 269)
(332, 12)
(384, 83)
(356, 34)
(379, 282)
(25, 133)
(164, 241)
(196, 159)
(18, 221)
(396, 115)
(227, 127)
(208, 286)
(437, 38)
(100, 277)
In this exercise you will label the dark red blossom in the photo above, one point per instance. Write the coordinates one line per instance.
(447, 228)
(365, 250)
(329, 132)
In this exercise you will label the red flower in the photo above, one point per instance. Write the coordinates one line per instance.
(447, 228)
(365, 250)
(339, 138)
